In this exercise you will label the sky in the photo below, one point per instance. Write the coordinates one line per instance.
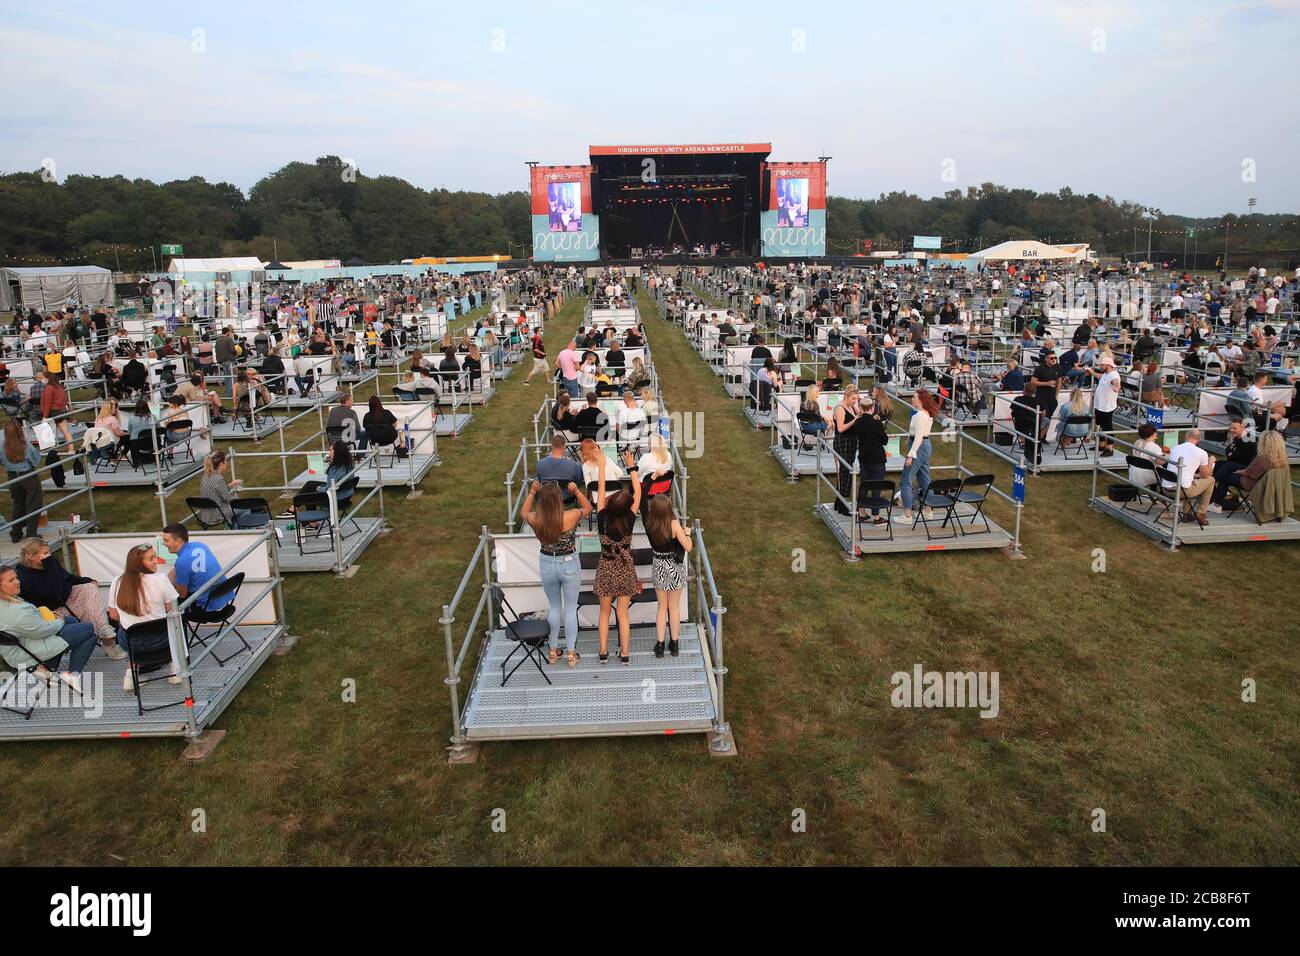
(1188, 106)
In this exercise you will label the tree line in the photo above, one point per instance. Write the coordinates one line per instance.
(330, 210)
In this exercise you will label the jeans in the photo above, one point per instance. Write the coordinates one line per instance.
(919, 470)
(561, 580)
(571, 386)
(81, 640)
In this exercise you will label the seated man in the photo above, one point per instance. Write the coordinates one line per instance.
(344, 416)
(968, 390)
(195, 392)
(1195, 470)
(135, 376)
(591, 422)
(195, 566)
(558, 467)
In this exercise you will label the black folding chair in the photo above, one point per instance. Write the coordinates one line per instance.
(1140, 492)
(196, 617)
(197, 504)
(146, 662)
(529, 635)
(942, 494)
(250, 513)
(1080, 443)
(25, 669)
(312, 507)
(877, 496)
(974, 492)
(343, 495)
(180, 434)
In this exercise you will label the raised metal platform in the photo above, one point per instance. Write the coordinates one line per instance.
(800, 461)
(52, 533)
(319, 556)
(908, 539)
(232, 429)
(399, 472)
(648, 696)
(127, 477)
(1226, 528)
(449, 423)
(107, 711)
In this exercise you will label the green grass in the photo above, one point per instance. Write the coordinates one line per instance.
(1119, 690)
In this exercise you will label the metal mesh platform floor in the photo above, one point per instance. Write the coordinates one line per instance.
(291, 558)
(648, 696)
(396, 472)
(108, 711)
(452, 424)
(874, 539)
(795, 461)
(1227, 528)
(232, 429)
(52, 532)
(127, 477)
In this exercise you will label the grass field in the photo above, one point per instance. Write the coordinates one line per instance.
(1119, 690)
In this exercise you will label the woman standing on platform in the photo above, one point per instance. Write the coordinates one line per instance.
(616, 579)
(561, 571)
(916, 467)
(846, 447)
(670, 543)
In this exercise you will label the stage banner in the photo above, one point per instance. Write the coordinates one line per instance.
(565, 229)
(794, 222)
(927, 242)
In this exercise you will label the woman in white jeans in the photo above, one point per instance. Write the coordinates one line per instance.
(916, 467)
(561, 570)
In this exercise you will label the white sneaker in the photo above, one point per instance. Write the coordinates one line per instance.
(1216, 509)
(42, 675)
(72, 680)
(128, 685)
(174, 678)
(902, 519)
(114, 652)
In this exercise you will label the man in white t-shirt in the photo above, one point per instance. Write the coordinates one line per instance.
(158, 596)
(1195, 470)
(1105, 401)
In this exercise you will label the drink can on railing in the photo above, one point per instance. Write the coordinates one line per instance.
(665, 428)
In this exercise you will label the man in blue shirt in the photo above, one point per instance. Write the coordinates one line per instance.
(196, 565)
(560, 468)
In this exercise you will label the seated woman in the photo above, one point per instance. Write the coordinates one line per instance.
(46, 583)
(657, 461)
(834, 378)
(109, 420)
(1152, 390)
(1272, 454)
(811, 419)
(649, 404)
(563, 417)
(138, 595)
(249, 393)
(1146, 447)
(214, 487)
(381, 427)
(42, 635)
(591, 456)
(1076, 407)
(638, 376)
(449, 369)
(474, 365)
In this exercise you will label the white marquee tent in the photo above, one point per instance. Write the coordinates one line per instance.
(1018, 249)
(46, 288)
(223, 264)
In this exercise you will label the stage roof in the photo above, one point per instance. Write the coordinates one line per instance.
(686, 149)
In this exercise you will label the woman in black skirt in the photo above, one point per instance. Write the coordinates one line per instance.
(846, 446)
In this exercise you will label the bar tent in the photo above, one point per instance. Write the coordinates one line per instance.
(1022, 249)
(46, 288)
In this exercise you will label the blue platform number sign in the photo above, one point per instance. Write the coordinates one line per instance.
(1276, 360)
(1018, 484)
(1156, 416)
